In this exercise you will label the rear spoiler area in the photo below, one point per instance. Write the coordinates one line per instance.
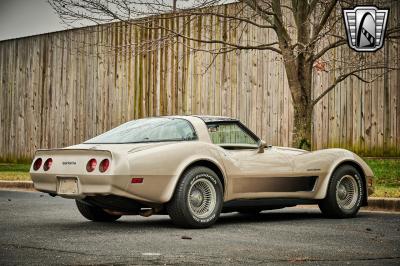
(49, 152)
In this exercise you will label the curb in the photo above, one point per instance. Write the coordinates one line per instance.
(385, 204)
(374, 203)
(16, 184)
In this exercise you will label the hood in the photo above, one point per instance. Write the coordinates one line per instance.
(291, 151)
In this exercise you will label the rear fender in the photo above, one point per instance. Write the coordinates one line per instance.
(184, 166)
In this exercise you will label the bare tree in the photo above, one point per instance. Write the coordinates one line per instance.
(302, 28)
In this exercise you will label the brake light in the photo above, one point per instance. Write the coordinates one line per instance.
(91, 165)
(47, 164)
(104, 165)
(137, 180)
(37, 164)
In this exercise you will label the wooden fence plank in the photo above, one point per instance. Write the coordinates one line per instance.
(62, 88)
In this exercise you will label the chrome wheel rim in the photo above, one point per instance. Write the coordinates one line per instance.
(347, 192)
(202, 198)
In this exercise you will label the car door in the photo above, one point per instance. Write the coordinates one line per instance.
(251, 174)
(254, 173)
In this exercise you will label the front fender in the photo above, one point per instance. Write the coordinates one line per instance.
(345, 157)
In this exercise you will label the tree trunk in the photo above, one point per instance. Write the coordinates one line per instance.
(302, 126)
(299, 79)
(299, 75)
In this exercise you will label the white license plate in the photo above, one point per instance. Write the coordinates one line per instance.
(68, 186)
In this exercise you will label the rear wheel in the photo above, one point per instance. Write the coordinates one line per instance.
(344, 195)
(197, 201)
(94, 213)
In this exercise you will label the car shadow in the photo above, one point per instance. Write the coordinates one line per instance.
(268, 217)
(133, 224)
(164, 223)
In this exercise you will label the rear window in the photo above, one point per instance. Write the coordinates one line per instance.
(148, 130)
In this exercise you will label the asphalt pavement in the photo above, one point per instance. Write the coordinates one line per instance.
(36, 229)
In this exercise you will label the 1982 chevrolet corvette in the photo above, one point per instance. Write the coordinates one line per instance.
(195, 167)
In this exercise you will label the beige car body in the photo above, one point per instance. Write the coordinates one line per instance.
(245, 174)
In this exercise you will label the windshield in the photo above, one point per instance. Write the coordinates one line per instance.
(148, 130)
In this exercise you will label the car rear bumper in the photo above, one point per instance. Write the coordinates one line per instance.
(154, 189)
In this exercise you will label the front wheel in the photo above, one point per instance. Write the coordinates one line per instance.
(197, 201)
(94, 213)
(344, 195)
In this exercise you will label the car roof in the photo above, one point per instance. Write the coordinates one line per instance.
(212, 118)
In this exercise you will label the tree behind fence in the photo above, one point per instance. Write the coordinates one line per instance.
(62, 88)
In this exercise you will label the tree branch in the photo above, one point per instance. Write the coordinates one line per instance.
(278, 22)
(325, 16)
(102, 11)
(344, 76)
(267, 46)
(327, 48)
(249, 21)
(264, 14)
(312, 5)
(389, 34)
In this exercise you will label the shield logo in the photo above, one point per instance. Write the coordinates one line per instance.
(365, 27)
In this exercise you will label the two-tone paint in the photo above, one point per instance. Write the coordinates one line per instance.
(277, 172)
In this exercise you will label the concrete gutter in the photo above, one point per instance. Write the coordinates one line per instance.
(374, 203)
(4, 184)
(383, 204)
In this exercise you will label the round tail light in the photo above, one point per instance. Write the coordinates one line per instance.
(104, 165)
(37, 164)
(47, 164)
(91, 165)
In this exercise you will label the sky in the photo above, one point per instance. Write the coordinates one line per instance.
(20, 18)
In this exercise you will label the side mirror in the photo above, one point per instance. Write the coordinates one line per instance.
(261, 146)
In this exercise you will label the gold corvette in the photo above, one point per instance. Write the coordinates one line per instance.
(195, 167)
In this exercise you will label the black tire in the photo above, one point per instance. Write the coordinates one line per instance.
(94, 213)
(179, 208)
(332, 205)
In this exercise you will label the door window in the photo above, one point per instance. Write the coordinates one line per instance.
(230, 134)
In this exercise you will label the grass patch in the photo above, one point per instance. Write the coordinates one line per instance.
(387, 177)
(387, 192)
(15, 176)
(15, 172)
(7, 167)
(386, 171)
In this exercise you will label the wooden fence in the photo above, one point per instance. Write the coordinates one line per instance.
(62, 88)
